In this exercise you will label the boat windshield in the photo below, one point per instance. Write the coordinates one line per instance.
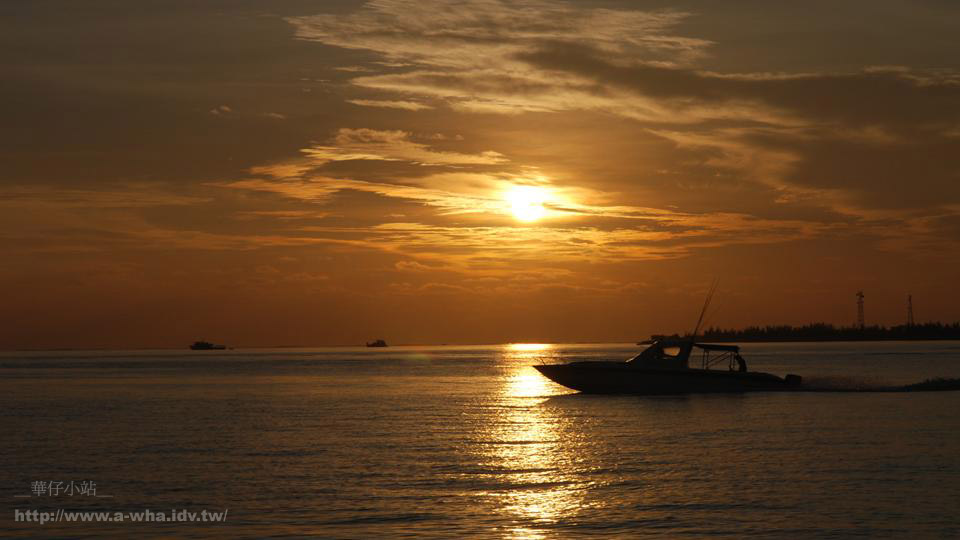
(664, 355)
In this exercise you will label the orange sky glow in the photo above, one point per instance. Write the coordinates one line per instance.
(327, 173)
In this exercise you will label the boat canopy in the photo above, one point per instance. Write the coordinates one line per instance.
(712, 347)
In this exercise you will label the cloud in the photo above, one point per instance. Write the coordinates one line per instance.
(856, 141)
(456, 193)
(370, 144)
(286, 169)
(82, 221)
(486, 55)
(413, 266)
(868, 98)
(438, 33)
(499, 249)
(466, 52)
(322, 189)
(881, 137)
(282, 215)
(352, 69)
(119, 196)
(631, 233)
(405, 105)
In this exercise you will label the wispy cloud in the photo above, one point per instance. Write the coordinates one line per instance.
(845, 141)
(435, 32)
(633, 233)
(117, 196)
(370, 144)
(499, 249)
(390, 104)
(466, 52)
(221, 110)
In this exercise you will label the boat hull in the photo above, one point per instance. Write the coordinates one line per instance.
(208, 347)
(622, 378)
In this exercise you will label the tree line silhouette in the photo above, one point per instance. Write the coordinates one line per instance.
(829, 332)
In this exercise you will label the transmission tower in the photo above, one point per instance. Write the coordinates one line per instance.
(909, 310)
(860, 309)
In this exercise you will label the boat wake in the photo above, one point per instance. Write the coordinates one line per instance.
(850, 384)
(932, 385)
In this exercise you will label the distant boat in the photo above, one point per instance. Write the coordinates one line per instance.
(206, 346)
(654, 371)
(377, 343)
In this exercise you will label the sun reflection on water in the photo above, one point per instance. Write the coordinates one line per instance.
(530, 353)
(529, 346)
(530, 446)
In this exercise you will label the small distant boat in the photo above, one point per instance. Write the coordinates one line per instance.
(654, 371)
(377, 343)
(206, 346)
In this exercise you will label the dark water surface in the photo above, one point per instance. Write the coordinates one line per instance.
(472, 442)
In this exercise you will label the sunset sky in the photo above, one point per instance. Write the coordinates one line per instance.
(266, 173)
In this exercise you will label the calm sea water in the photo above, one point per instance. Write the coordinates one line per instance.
(472, 442)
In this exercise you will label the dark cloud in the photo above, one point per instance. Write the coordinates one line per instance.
(884, 136)
(120, 92)
(888, 97)
(916, 173)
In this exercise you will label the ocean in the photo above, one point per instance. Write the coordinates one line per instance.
(471, 442)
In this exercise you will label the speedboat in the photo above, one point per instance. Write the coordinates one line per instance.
(206, 346)
(664, 368)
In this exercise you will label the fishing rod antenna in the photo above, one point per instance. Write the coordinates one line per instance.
(706, 305)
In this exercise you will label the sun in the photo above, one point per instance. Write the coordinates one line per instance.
(526, 202)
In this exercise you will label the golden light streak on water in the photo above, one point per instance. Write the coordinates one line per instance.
(523, 347)
(528, 443)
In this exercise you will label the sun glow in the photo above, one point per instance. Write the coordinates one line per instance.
(529, 346)
(527, 202)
